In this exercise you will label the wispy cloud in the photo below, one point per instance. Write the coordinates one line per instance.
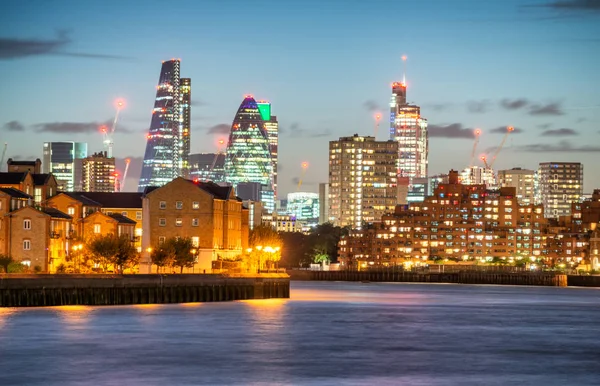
(296, 131)
(559, 133)
(503, 129)
(514, 104)
(454, 130)
(478, 107)
(561, 147)
(221, 128)
(76, 127)
(574, 5)
(371, 105)
(13, 126)
(548, 109)
(15, 48)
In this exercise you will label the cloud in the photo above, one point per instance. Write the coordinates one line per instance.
(478, 107)
(502, 130)
(549, 109)
(13, 126)
(440, 106)
(297, 132)
(198, 102)
(582, 119)
(455, 130)
(14, 48)
(561, 147)
(221, 128)
(76, 127)
(574, 5)
(371, 105)
(544, 125)
(559, 133)
(514, 104)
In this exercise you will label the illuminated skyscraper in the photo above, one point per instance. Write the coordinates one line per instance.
(561, 183)
(98, 173)
(65, 161)
(248, 152)
(409, 129)
(272, 128)
(167, 148)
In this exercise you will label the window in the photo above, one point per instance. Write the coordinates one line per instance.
(26, 245)
(178, 222)
(138, 215)
(161, 240)
(162, 222)
(163, 205)
(195, 241)
(26, 263)
(179, 205)
(195, 222)
(124, 214)
(38, 195)
(195, 205)
(71, 211)
(97, 228)
(27, 224)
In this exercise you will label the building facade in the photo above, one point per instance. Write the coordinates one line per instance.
(207, 167)
(362, 179)
(522, 180)
(98, 173)
(186, 124)
(323, 202)
(304, 206)
(167, 147)
(33, 167)
(560, 185)
(272, 129)
(477, 175)
(65, 161)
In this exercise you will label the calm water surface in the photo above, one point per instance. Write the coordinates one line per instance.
(326, 334)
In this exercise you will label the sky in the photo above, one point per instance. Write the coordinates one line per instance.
(326, 67)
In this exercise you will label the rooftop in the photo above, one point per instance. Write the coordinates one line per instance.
(120, 200)
(122, 219)
(12, 178)
(15, 193)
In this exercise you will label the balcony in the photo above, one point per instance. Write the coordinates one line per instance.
(55, 235)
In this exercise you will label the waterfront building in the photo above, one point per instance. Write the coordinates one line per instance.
(249, 157)
(362, 179)
(100, 224)
(304, 206)
(522, 180)
(272, 129)
(33, 167)
(585, 214)
(207, 167)
(64, 161)
(560, 185)
(211, 215)
(98, 173)
(39, 186)
(168, 139)
(323, 202)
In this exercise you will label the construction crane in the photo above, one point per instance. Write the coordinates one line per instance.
(3, 155)
(124, 179)
(509, 130)
(218, 153)
(109, 134)
(377, 119)
(477, 133)
(304, 166)
(484, 159)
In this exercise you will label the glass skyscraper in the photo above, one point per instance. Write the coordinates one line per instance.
(65, 161)
(167, 149)
(272, 128)
(249, 156)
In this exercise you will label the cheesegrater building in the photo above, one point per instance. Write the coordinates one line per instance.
(167, 149)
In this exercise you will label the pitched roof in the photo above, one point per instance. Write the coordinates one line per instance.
(23, 163)
(150, 189)
(15, 193)
(41, 178)
(12, 178)
(122, 219)
(55, 213)
(83, 199)
(114, 200)
(221, 192)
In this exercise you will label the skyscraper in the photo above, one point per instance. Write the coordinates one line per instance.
(167, 148)
(560, 184)
(207, 167)
(98, 173)
(248, 151)
(64, 160)
(409, 129)
(520, 179)
(362, 180)
(304, 206)
(272, 128)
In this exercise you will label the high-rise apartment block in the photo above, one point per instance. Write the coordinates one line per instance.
(64, 161)
(522, 180)
(409, 129)
(560, 185)
(167, 148)
(362, 179)
(476, 175)
(98, 173)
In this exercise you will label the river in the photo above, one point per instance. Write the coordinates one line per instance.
(326, 334)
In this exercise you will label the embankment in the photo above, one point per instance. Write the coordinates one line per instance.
(96, 290)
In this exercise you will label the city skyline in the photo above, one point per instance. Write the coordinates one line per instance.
(525, 74)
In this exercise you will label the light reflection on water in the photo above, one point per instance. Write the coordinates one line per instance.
(326, 334)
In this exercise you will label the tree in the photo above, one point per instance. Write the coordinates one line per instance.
(265, 236)
(126, 254)
(5, 261)
(110, 249)
(160, 257)
(180, 249)
(319, 254)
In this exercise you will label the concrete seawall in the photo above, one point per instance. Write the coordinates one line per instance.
(537, 279)
(58, 290)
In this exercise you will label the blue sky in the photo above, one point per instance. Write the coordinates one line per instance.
(326, 66)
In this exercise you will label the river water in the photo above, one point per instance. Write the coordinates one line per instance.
(326, 334)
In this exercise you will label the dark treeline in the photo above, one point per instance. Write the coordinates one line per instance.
(321, 244)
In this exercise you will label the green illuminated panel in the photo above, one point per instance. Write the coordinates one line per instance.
(265, 110)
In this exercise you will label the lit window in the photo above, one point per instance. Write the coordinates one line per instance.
(162, 222)
(178, 222)
(97, 228)
(138, 215)
(161, 240)
(163, 205)
(195, 222)
(27, 224)
(179, 205)
(195, 205)
(71, 211)
(124, 214)
(195, 241)
(26, 245)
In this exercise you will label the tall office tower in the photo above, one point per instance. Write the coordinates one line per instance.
(272, 128)
(476, 175)
(560, 184)
(304, 206)
(362, 180)
(167, 148)
(409, 129)
(520, 179)
(64, 160)
(248, 156)
(186, 122)
(323, 202)
(98, 173)
(207, 167)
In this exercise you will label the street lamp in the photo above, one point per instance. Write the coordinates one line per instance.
(76, 249)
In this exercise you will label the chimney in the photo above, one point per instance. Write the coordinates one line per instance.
(453, 177)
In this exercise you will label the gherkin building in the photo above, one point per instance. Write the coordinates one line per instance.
(248, 152)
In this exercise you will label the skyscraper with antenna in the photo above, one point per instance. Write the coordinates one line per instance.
(409, 129)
